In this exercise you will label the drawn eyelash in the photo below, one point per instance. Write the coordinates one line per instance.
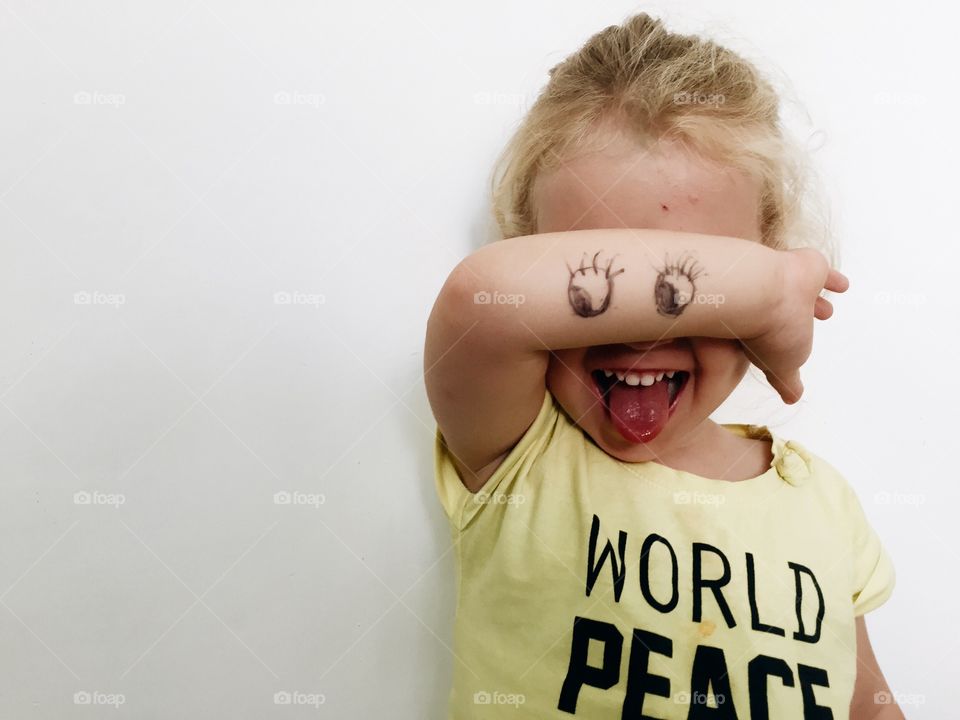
(583, 268)
(685, 266)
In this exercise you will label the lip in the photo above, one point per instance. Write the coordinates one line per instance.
(638, 368)
(645, 346)
(653, 360)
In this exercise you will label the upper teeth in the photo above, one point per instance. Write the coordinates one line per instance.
(639, 378)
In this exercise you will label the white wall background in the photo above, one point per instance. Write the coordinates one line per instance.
(147, 157)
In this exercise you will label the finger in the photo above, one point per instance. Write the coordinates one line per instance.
(790, 388)
(797, 391)
(836, 281)
(822, 309)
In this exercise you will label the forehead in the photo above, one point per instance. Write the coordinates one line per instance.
(665, 186)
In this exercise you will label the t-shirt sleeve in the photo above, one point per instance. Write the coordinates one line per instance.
(874, 575)
(458, 502)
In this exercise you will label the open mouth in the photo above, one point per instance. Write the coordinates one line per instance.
(639, 402)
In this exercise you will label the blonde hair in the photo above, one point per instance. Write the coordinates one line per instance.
(656, 85)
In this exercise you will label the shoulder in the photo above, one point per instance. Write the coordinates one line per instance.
(797, 464)
(838, 505)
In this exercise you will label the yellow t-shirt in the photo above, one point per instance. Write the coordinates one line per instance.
(594, 588)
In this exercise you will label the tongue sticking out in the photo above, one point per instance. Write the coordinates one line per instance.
(639, 412)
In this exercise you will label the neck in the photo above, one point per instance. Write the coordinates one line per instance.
(714, 452)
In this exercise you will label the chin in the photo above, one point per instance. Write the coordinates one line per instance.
(628, 452)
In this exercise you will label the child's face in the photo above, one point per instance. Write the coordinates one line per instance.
(671, 189)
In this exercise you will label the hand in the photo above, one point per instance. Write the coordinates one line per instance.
(787, 339)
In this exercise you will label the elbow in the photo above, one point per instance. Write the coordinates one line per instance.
(472, 310)
(459, 297)
(452, 313)
(462, 288)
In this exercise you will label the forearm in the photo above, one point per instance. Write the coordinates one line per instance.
(594, 287)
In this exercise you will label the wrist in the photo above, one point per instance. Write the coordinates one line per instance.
(760, 305)
(776, 291)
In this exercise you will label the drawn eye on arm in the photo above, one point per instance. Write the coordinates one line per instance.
(591, 286)
(675, 287)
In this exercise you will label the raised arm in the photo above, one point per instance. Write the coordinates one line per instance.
(504, 307)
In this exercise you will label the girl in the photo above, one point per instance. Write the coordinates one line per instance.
(620, 555)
